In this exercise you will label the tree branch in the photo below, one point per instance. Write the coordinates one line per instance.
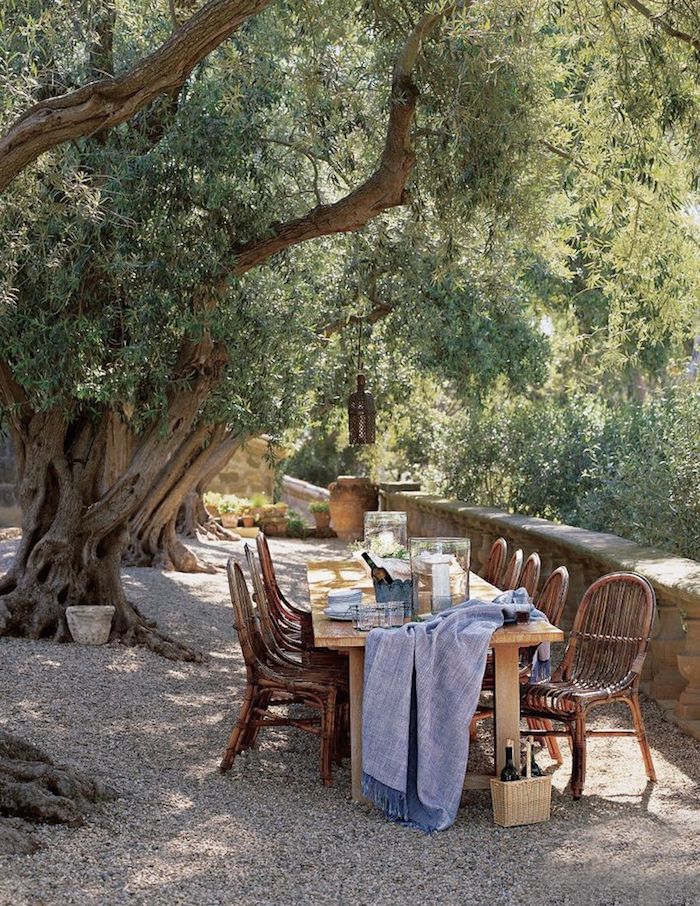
(661, 22)
(107, 102)
(384, 189)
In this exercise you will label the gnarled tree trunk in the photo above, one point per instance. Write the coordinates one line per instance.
(81, 478)
(153, 537)
(33, 788)
(194, 519)
(66, 557)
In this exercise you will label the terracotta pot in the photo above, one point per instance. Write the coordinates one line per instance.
(322, 520)
(351, 497)
(229, 520)
(248, 521)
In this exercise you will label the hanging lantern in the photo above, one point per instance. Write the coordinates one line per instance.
(361, 409)
(361, 414)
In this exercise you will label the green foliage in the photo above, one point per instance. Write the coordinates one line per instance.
(319, 506)
(631, 469)
(296, 527)
(557, 167)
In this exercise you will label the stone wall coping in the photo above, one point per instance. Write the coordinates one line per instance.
(677, 575)
(305, 488)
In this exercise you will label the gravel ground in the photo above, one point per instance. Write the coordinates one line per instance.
(268, 832)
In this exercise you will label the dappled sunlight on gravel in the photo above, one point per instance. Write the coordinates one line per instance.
(268, 832)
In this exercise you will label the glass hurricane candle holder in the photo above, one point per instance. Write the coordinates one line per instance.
(440, 569)
(385, 533)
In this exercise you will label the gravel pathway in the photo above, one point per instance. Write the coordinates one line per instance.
(268, 832)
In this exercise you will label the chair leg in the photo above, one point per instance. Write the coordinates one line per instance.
(250, 737)
(578, 768)
(240, 729)
(327, 739)
(550, 741)
(642, 737)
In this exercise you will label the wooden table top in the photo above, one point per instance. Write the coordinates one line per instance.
(324, 575)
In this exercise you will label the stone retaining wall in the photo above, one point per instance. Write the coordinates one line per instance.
(672, 673)
(299, 494)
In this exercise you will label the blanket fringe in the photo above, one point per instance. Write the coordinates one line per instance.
(541, 670)
(392, 802)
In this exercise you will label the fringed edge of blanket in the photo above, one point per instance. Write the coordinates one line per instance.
(541, 670)
(392, 802)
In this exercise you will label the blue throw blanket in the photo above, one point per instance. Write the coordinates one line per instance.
(421, 689)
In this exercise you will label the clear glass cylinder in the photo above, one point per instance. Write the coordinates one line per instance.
(385, 533)
(440, 569)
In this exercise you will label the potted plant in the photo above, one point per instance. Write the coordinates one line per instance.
(321, 511)
(247, 518)
(212, 501)
(231, 509)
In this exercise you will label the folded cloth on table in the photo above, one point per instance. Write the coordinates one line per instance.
(422, 685)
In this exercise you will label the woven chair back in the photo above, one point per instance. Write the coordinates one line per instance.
(267, 566)
(610, 636)
(514, 570)
(497, 558)
(266, 622)
(552, 598)
(276, 600)
(530, 578)
(252, 644)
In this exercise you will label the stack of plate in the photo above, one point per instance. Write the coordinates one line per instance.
(342, 603)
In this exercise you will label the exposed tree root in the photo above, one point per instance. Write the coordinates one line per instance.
(132, 628)
(35, 789)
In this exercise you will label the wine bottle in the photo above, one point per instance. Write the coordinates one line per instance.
(535, 769)
(509, 772)
(379, 574)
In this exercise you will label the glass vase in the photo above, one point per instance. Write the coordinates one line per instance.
(385, 533)
(440, 569)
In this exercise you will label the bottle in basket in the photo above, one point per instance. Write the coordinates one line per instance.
(509, 772)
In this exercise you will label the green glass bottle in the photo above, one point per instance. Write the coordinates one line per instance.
(535, 769)
(509, 772)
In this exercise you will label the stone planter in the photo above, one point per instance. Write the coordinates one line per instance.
(350, 498)
(275, 527)
(90, 624)
(229, 520)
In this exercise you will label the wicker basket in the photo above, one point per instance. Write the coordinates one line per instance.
(521, 801)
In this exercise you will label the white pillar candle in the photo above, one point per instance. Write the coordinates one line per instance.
(386, 539)
(441, 586)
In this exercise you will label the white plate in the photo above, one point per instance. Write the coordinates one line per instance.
(338, 615)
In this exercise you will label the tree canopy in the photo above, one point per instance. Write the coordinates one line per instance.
(202, 199)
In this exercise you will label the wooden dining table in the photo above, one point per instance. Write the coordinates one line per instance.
(324, 575)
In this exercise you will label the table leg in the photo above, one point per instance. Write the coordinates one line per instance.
(357, 681)
(506, 703)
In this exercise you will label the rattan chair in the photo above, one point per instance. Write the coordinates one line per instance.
(272, 681)
(294, 621)
(494, 565)
(602, 663)
(288, 614)
(514, 570)
(289, 641)
(551, 602)
(530, 578)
